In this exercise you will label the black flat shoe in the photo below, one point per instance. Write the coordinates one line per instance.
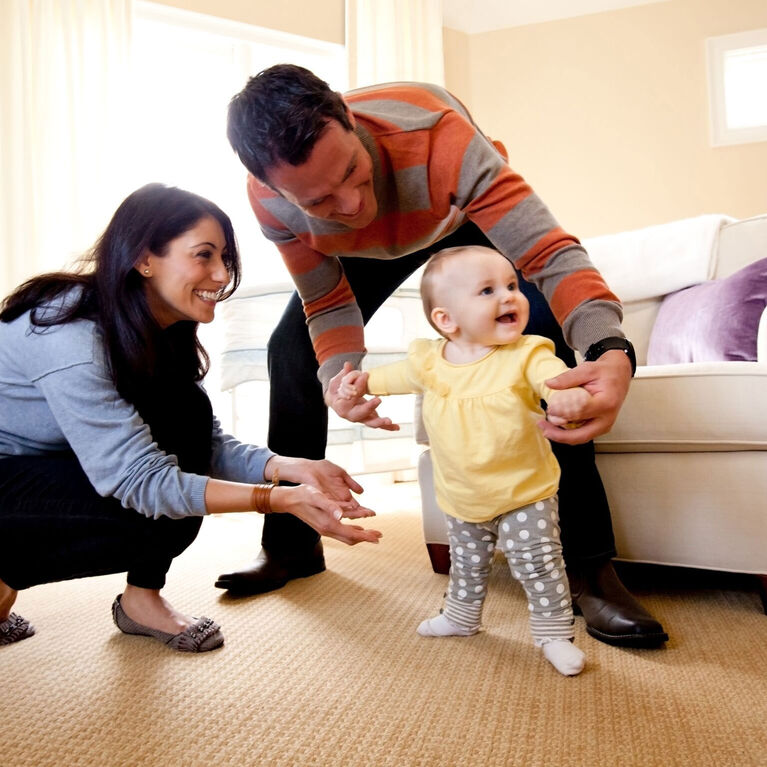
(612, 615)
(272, 571)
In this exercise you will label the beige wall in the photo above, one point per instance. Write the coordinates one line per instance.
(456, 54)
(607, 115)
(320, 19)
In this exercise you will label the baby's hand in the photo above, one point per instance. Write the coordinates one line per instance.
(345, 395)
(352, 385)
(566, 405)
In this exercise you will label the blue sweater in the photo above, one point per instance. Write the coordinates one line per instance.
(56, 394)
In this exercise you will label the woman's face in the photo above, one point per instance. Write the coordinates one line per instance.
(187, 281)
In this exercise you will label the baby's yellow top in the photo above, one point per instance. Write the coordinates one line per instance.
(489, 456)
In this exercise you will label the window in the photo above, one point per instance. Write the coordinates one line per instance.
(186, 67)
(737, 67)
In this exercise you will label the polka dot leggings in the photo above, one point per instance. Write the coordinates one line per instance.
(529, 538)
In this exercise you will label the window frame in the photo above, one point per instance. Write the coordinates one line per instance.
(252, 48)
(717, 49)
(248, 33)
(248, 43)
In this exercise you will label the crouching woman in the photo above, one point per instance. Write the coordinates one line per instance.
(110, 455)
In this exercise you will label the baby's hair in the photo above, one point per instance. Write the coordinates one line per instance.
(432, 272)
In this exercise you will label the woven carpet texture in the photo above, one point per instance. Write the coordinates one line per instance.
(329, 672)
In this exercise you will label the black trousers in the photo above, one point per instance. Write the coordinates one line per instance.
(298, 419)
(54, 526)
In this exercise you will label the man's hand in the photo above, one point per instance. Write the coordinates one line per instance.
(567, 403)
(354, 407)
(607, 380)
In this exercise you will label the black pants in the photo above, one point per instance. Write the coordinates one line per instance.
(54, 526)
(298, 419)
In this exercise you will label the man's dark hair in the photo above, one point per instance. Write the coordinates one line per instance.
(279, 115)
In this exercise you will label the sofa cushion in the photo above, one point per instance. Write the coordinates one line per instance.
(713, 321)
(656, 260)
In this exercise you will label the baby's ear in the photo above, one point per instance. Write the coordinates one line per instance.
(442, 320)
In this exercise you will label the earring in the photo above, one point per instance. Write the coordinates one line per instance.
(146, 272)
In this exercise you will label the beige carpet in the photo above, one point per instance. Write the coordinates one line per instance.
(329, 671)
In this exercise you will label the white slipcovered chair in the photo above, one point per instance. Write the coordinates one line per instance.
(249, 317)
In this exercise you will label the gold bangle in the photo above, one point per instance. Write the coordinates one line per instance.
(260, 498)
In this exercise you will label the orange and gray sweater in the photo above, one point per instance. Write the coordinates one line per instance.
(433, 171)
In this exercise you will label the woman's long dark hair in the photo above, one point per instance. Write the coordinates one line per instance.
(112, 291)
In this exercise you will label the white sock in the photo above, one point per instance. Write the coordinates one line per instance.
(564, 656)
(440, 626)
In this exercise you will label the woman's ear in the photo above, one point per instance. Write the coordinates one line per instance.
(442, 320)
(144, 265)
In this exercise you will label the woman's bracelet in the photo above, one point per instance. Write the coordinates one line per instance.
(260, 499)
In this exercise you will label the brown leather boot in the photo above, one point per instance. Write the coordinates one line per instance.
(272, 571)
(612, 615)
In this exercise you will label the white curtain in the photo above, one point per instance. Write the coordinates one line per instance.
(391, 40)
(63, 86)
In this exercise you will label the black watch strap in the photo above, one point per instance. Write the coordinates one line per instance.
(595, 351)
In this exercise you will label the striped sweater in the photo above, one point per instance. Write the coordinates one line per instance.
(433, 171)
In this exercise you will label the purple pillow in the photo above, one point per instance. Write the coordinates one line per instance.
(713, 321)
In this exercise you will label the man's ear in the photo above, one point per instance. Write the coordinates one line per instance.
(442, 320)
(349, 113)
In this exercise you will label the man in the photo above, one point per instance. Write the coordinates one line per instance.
(356, 193)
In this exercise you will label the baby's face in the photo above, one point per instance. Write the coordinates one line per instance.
(480, 290)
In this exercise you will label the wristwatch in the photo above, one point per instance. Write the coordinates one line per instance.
(595, 351)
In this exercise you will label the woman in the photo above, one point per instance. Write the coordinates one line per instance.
(109, 452)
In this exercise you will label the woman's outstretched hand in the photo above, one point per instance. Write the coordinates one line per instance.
(326, 476)
(322, 513)
(331, 483)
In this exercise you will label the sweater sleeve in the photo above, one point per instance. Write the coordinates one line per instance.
(332, 314)
(237, 461)
(518, 223)
(112, 443)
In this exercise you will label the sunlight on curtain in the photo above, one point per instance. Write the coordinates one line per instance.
(186, 68)
(63, 83)
(391, 40)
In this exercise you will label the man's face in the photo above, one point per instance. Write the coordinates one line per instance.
(336, 181)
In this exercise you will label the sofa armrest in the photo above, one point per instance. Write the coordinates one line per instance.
(692, 407)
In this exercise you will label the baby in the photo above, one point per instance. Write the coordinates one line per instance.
(495, 475)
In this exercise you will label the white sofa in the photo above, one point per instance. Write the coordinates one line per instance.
(685, 465)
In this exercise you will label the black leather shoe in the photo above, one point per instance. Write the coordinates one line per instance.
(612, 615)
(272, 571)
